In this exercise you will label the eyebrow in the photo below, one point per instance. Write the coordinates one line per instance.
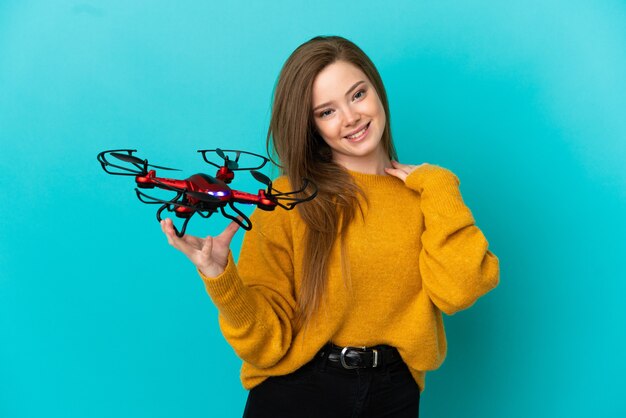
(355, 85)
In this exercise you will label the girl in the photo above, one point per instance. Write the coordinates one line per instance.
(336, 308)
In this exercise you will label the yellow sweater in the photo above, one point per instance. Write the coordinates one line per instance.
(415, 253)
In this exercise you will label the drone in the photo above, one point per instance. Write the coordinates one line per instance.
(201, 193)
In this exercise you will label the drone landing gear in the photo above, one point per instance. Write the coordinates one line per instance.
(242, 219)
(186, 212)
(186, 215)
(171, 206)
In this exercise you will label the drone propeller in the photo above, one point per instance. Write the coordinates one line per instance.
(235, 160)
(262, 178)
(139, 166)
(134, 160)
(230, 164)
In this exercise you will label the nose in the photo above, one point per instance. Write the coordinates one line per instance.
(351, 116)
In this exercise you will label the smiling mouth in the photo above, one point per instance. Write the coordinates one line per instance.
(360, 133)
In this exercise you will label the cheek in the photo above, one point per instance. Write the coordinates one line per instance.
(381, 115)
(383, 118)
(328, 131)
(379, 108)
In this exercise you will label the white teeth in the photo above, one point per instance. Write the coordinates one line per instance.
(358, 134)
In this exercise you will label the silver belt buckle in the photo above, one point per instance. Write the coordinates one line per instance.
(342, 357)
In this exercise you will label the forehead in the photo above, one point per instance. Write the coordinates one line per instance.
(334, 81)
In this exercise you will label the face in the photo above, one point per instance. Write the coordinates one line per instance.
(349, 116)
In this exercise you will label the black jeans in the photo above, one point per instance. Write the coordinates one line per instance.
(320, 390)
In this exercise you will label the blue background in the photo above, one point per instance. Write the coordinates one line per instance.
(524, 101)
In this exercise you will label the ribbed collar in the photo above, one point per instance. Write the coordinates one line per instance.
(374, 180)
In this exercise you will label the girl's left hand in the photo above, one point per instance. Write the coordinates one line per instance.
(401, 171)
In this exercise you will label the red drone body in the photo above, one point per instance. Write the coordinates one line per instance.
(204, 194)
(201, 183)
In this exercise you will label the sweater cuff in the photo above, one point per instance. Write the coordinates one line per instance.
(438, 185)
(228, 293)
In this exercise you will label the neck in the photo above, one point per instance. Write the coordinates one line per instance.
(371, 164)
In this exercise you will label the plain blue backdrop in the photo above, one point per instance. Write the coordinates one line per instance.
(524, 101)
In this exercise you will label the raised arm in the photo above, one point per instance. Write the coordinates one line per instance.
(455, 263)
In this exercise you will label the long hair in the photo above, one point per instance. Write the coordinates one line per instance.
(304, 154)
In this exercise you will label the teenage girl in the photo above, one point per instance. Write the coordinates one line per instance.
(336, 308)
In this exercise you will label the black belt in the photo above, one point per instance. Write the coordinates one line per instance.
(359, 357)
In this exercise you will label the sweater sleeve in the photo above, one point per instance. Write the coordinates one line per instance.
(255, 298)
(455, 263)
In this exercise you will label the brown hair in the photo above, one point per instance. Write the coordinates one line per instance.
(304, 154)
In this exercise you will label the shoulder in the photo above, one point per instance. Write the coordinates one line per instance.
(431, 175)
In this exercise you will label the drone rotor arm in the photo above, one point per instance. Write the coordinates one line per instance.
(166, 186)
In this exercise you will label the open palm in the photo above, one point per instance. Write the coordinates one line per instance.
(210, 254)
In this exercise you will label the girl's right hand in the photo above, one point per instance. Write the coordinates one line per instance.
(210, 254)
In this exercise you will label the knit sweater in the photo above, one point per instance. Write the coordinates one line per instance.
(414, 254)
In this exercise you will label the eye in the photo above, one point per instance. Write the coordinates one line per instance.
(325, 113)
(359, 94)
